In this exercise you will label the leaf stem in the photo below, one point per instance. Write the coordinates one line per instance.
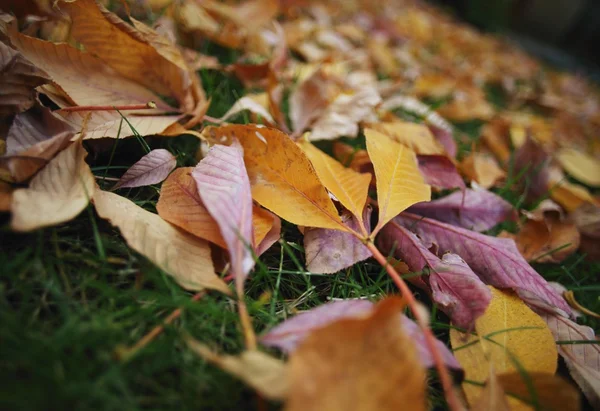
(148, 105)
(245, 320)
(442, 370)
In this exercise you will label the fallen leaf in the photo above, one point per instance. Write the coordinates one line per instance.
(288, 335)
(224, 188)
(264, 373)
(56, 194)
(282, 178)
(399, 182)
(482, 168)
(570, 196)
(468, 103)
(328, 251)
(153, 168)
(446, 139)
(531, 163)
(581, 166)
(496, 261)
(587, 220)
(267, 229)
(19, 79)
(181, 255)
(415, 106)
(541, 391)
(349, 187)
(440, 172)
(454, 286)
(580, 349)
(6, 193)
(510, 336)
(415, 136)
(475, 209)
(377, 359)
(492, 397)
(495, 135)
(249, 103)
(310, 98)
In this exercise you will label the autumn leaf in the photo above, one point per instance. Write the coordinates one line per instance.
(541, 390)
(267, 229)
(153, 168)
(56, 194)
(492, 398)
(415, 136)
(399, 182)
(181, 255)
(377, 360)
(510, 336)
(251, 104)
(282, 178)
(581, 166)
(439, 172)
(482, 168)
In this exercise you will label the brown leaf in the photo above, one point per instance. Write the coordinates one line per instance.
(6, 193)
(482, 168)
(376, 367)
(57, 194)
(492, 398)
(540, 390)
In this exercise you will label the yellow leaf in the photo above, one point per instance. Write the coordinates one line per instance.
(399, 181)
(580, 165)
(283, 179)
(507, 333)
(570, 196)
(183, 256)
(56, 194)
(482, 168)
(358, 364)
(413, 135)
(348, 186)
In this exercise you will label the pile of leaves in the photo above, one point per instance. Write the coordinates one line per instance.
(353, 134)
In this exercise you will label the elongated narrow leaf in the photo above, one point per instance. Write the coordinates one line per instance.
(399, 182)
(283, 179)
(475, 209)
(153, 168)
(454, 286)
(288, 335)
(496, 261)
(348, 186)
(181, 255)
(224, 188)
(56, 194)
(377, 359)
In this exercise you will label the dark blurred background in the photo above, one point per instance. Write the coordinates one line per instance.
(566, 33)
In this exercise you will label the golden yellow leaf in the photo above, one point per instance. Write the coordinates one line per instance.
(348, 186)
(570, 196)
(540, 391)
(507, 333)
(262, 221)
(58, 193)
(283, 179)
(358, 364)
(179, 254)
(482, 168)
(399, 181)
(580, 165)
(415, 136)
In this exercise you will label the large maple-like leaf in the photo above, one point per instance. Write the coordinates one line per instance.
(399, 182)
(181, 255)
(56, 194)
(497, 261)
(153, 168)
(283, 179)
(224, 188)
(475, 209)
(454, 286)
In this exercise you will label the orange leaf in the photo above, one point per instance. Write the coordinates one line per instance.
(482, 168)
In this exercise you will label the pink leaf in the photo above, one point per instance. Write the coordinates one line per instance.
(439, 172)
(496, 261)
(458, 290)
(224, 188)
(153, 168)
(475, 209)
(289, 334)
(583, 360)
(329, 251)
(446, 139)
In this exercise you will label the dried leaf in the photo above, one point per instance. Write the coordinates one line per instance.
(377, 359)
(224, 188)
(310, 99)
(282, 178)
(510, 336)
(496, 261)
(33, 128)
(413, 135)
(181, 255)
(446, 139)
(492, 398)
(454, 286)
(57, 194)
(475, 209)
(482, 168)
(440, 172)
(251, 104)
(399, 182)
(267, 229)
(541, 390)
(581, 166)
(153, 168)
(264, 373)
(349, 187)
(6, 193)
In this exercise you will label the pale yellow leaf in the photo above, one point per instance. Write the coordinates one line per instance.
(580, 165)
(415, 136)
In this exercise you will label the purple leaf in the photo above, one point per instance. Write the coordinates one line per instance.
(446, 139)
(153, 168)
(224, 188)
(475, 209)
(583, 360)
(329, 251)
(454, 286)
(289, 334)
(439, 172)
(496, 261)
(531, 163)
